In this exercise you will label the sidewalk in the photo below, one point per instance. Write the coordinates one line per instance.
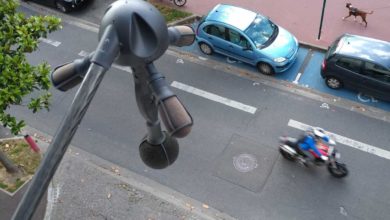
(88, 187)
(302, 18)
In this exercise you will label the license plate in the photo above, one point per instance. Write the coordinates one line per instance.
(337, 155)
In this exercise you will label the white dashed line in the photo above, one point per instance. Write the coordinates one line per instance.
(346, 141)
(195, 91)
(90, 27)
(49, 41)
(83, 53)
(214, 97)
(124, 68)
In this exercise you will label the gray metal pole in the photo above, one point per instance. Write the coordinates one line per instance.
(322, 18)
(60, 143)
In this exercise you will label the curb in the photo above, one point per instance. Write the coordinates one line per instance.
(28, 180)
(195, 208)
(95, 27)
(368, 111)
(185, 20)
(337, 101)
(195, 17)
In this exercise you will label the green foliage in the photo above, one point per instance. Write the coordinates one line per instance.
(18, 184)
(170, 14)
(20, 35)
(3, 186)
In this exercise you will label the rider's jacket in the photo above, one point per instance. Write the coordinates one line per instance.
(308, 143)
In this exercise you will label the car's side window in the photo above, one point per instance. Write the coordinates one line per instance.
(237, 38)
(378, 72)
(349, 63)
(215, 30)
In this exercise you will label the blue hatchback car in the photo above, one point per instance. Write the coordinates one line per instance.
(247, 36)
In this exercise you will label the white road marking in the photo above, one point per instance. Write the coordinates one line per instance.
(366, 98)
(346, 141)
(324, 105)
(53, 194)
(195, 91)
(124, 68)
(49, 41)
(343, 211)
(83, 53)
(297, 78)
(214, 97)
(90, 26)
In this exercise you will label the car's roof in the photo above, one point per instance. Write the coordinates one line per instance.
(365, 48)
(235, 16)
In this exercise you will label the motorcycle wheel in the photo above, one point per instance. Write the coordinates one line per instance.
(339, 172)
(180, 3)
(286, 155)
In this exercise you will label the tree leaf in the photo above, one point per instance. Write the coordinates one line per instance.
(19, 35)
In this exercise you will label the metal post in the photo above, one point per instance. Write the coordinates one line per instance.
(322, 17)
(60, 143)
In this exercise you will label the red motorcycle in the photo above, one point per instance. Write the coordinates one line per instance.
(290, 150)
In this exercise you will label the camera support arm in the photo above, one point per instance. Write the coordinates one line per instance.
(132, 33)
(104, 56)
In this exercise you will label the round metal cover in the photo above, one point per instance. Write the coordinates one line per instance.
(245, 162)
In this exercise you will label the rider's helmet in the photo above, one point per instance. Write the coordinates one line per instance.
(320, 134)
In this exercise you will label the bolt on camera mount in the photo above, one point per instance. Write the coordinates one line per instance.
(132, 33)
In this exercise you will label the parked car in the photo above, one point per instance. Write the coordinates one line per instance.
(247, 36)
(359, 63)
(63, 5)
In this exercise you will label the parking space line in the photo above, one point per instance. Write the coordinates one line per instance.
(297, 78)
(346, 141)
(302, 68)
(214, 97)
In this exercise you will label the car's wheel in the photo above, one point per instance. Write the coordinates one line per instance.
(265, 68)
(61, 7)
(205, 48)
(333, 82)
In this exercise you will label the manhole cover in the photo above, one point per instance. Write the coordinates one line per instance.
(245, 162)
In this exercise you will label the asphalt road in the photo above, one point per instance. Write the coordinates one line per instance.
(208, 168)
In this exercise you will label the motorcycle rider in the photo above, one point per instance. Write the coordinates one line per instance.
(309, 142)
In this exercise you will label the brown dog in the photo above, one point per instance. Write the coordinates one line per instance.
(356, 12)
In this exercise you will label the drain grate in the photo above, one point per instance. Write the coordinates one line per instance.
(245, 162)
